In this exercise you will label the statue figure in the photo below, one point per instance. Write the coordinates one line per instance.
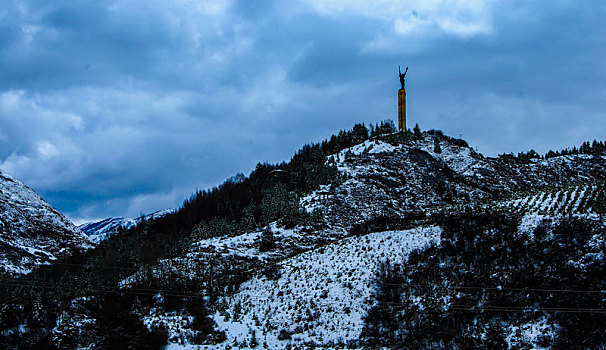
(402, 76)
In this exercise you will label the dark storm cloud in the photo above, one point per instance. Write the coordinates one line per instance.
(537, 82)
(123, 107)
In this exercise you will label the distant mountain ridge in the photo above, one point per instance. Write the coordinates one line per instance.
(31, 231)
(98, 231)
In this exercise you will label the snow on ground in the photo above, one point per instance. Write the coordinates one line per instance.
(31, 231)
(289, 242)
(22, 205)
(530, 332)
(458, 158)
(98, 231)
(321, 296)
(157, 214)
(175, 346)
(529, 223)
(314, 200)
(31, 251)
(11, 268)
(367, 147)
(247, 244)
(177, 325)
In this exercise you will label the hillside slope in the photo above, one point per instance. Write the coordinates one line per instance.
(387, 179)
(31, 231)
(320, 283)
(319, 297)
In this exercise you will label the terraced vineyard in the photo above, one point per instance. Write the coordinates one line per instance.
(580, 199)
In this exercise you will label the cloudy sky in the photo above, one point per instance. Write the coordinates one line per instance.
(123, 107)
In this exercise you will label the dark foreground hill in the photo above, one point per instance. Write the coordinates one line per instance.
(368, 239)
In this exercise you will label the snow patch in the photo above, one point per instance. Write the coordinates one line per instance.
(321, 296)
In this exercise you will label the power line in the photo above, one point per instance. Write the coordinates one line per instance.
(104, 289)
(136, 270)
(499, 288)
(182, 294)
(526, 309)
(243, 274)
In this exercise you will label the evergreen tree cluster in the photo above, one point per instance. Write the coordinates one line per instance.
(117, 326)
(486, 279)
(594, 147)
(438, 136)
(385, 127)
(271, 192)
(360, 133)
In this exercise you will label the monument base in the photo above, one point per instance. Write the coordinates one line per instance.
(401, 109)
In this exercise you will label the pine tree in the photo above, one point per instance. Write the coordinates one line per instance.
(360, 133)
(417, 132)
(268, 241)
(494, 336)
(248, 222)
(137, 308)
(253, 339)
(599, 203)
(67, 331)
(436, 146)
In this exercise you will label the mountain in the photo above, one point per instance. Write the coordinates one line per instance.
(31, 231)
(99, 231)
(317, 286)
(388, 239)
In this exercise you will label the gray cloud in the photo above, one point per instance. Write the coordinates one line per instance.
(123, 107)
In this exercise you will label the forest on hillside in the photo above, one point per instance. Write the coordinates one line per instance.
(486, 282)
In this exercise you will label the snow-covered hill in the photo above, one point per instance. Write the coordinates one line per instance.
(320, 297)
(384, 179)
(31, 231)
(320, 285)
(317, 297)
(99, 231)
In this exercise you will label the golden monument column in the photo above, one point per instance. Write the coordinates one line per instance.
(402, 101)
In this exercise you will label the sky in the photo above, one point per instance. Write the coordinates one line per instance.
(124, 107)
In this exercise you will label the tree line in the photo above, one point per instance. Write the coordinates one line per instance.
(594, 147)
